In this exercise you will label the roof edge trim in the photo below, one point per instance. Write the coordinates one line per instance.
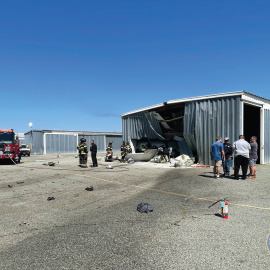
(238, 93)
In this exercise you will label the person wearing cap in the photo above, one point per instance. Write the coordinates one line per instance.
(83, 151)
(217, 155)
(228, 157)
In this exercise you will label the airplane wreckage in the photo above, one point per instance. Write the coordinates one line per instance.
(155, 134)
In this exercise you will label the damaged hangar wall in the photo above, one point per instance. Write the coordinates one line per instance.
(141, 125)
(204, 120)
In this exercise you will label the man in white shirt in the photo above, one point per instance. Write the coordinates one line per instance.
(242, 149)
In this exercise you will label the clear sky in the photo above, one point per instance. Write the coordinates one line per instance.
(79, 64)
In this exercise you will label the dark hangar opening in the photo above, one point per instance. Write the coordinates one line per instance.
(252, 126)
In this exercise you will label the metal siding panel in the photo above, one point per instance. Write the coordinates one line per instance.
(61, 143)
(35, 141)
(125, 130)
(189, 125)
(216, 117)
(266, 136)
(141, 125)
(117, 141)
(98, 140)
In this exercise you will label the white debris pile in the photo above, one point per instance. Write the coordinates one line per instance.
(182, 161)
(160, 159)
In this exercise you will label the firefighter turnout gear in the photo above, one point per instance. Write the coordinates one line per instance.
(109, 147)
(109, 152)
(83, 151)
(123, 150)
(128, 148)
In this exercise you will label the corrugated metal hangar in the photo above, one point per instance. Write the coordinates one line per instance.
(191, 125)
(63, 142)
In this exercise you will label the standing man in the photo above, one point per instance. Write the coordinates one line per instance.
(217, 154)
(242, 151)
(253, 157)
(228, 157)
(82, 147)
(93, 150)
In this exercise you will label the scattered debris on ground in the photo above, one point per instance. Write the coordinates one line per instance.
(145, 207)
(130, 161)
(23, 223)
(50, 163)
(89, 188)
(182, 161)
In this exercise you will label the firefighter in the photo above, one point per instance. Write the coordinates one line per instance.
(123, 150)
(109, 147)
(82, 147)
(128, 148)
(109, 154)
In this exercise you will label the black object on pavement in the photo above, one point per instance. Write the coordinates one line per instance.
(145, 207)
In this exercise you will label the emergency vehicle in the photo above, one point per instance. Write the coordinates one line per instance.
(8, 144)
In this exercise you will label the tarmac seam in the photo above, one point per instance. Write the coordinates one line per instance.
(174, 193)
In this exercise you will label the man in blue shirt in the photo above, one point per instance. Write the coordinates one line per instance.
(217, 155)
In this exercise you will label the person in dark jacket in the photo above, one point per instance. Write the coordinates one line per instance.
(93, 150)
(228, 157)
(83, 151)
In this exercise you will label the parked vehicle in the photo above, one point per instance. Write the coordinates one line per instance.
(24, 150)
(8, 145)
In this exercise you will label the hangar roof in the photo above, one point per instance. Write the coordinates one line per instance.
(75, 132)
(249, 97)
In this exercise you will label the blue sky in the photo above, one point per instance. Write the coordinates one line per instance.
(79, 64)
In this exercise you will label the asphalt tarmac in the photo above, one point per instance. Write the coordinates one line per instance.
(102, 229)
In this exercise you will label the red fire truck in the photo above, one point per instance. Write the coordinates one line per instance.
(8, 144)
